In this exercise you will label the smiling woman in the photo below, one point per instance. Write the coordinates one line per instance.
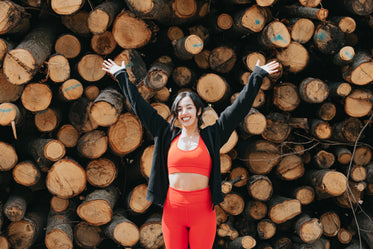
(185, 172)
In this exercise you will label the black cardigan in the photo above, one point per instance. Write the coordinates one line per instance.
(214, 136)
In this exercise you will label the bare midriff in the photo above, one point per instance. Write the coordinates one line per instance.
(188, 181)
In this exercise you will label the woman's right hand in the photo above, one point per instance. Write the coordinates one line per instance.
(111, 67)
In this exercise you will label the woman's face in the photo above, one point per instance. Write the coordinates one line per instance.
(187, 113)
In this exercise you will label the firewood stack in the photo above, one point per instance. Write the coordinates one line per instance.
(74, 159)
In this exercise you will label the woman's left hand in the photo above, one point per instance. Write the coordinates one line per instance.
(270, 68)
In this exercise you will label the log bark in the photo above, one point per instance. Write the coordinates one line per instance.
(256, 210)
(277, 129)
(79, 115)
(183, 76)
(77, 23)
(344, 56)
(360, 72)
(244, 242)
(251, 20)
(331, 223)
(362, 156)
(327, 183)
(227, 230)
(343, 155)
(97, 208)
(59, 230)
(159, 73)
(308, 229)
(321, 129)
(266, 229)
(361, 8)
(16, 205)
(347, 130)
(308, 12)
(8, 91)
(22, 63)
(327, 111)
(286, 97)
(16, 19)
(324, 159)
(135, 65)
(186, 47)
(222, 59)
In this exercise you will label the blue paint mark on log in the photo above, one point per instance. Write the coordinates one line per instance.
(278, 38)
(198, 45)
(320, 36)
(257, 22)
(72, 87)
(349, 55)
(6, 110)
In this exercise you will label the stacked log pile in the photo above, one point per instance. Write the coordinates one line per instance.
(75, 160)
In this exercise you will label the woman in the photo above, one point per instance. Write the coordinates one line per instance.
(185, 175)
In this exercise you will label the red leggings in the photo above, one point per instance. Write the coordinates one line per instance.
(188, 218)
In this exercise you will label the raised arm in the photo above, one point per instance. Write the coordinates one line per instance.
(148, 116)
(235, 113)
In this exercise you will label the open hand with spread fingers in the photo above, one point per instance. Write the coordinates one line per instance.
(271, 67)
(111, 67)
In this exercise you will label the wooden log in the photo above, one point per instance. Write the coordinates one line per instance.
(157, 10)
(221, 215)
(260, 187)
(66, 178)
(251, 59)
(151, 236)
(327, 111)
(103, 44)
(327, 182)
(353, 195)
(186, 47)
(308, 229)
(328, 38)
(87, 236)
(294, 58)
(77, 22)
(366, 229)
(369, 168)
(362, 155)
(97, 208)
(344, 56)
(159, 73)
(101, 172)
(308, 12)
(304, 194)
(212, 88)
(344, 236)
(16, 19)
(343, 155)
(222, 59)
(339, 89)
(64, 8)
(8, 156)
(230, 144)
(58, 204)
(93, 144)
(58, 68)
(136, 67)
(260, 157)
(36, 104)
(244, 242)
(103, 15)
(283, 242)
(360, 72)
(107, 107)
(286, 97)
(16, 205)
(10, 114)
(275, 34)
(301, 29)
(323, 159)
(359, 8)
(255, 209)
(347, 130)
(136, 199)
(68, 45)
(45, 151)
(290, 168)
(48, 120)
(4, 243)
(313, 90)
(5, 46)
(227, 230)
(174, 33)
(24, 233)
(22, 63)
(26, 173)
(183, 76)
(239, 173)
(356, 173)
(233, 204)
(254, 123)
(70, 90)
(251, 20)
(331, 223)
(358, 103)
(162, 109)
(8, 91)
(79, 115)
(122, 231)
(68, 135)
(220, 22)
(125, 135)
(130, 31)
(310, 3)
(282, 209)
(277, 129)
(266, 229)
(227, 186)
(59, 230)
(89, 67)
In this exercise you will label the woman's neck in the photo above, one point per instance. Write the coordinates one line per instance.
(190, 132)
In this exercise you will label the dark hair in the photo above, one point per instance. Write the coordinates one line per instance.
(197, 101)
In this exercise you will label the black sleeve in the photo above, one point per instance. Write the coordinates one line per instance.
(148, 116)
(236, 112)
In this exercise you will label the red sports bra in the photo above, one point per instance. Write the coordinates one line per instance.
(197, 160)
